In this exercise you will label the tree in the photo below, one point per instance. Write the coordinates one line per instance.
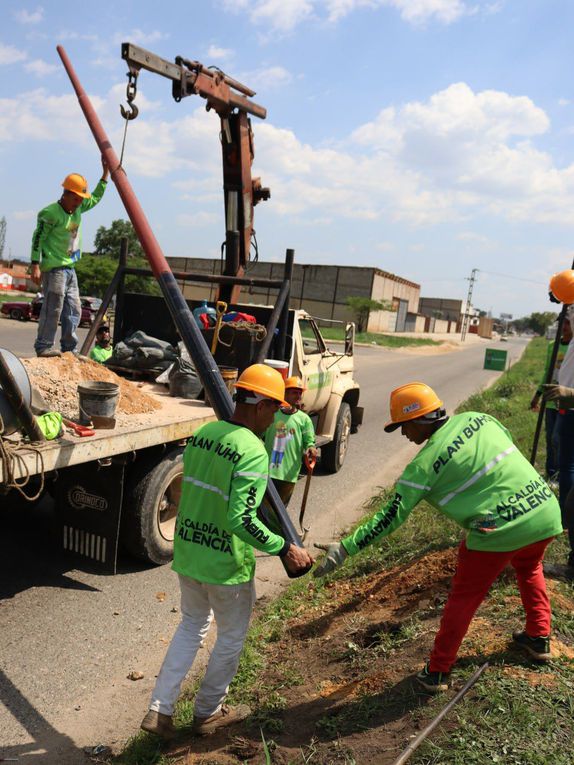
(361, 307)
(107, 240)
(2, 235)
(539, 322)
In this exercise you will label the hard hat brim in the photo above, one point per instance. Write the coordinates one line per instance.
(391, 426)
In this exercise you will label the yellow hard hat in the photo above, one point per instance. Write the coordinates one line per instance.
(411, 401)
(77, 184)
(294, 382)
(259, 378)
(562, 286)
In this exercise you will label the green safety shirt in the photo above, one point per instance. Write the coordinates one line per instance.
(225, 472)
(562, 348)
(57, 240)
(286, 440)
(470, 471)
(100, 354)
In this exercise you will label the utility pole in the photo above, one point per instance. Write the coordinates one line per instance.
(466, 315)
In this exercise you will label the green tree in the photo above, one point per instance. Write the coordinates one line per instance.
(107, 240)
(539, 322)
(361, 307)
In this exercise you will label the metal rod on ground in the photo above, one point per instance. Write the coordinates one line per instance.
(106, 300)
(548, 379)
(18, 403)
(272, 323)
(433, 724)
(183, 319)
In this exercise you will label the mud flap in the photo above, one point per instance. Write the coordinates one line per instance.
(89, 503)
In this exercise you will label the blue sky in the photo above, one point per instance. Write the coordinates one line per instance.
(423, 137)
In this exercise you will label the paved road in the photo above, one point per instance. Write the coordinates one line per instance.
(70, 638)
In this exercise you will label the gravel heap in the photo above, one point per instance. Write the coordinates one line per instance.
(57, 380)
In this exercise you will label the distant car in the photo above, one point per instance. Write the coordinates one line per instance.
(504, 338)
(23, 311)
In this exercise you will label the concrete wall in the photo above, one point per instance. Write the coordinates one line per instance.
(390, 287)
(415, 323)
(382, 321)
(441, 308)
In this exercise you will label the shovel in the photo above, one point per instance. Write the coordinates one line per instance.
(220, 308)
(310, 463)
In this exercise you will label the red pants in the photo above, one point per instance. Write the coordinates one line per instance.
(476, 570)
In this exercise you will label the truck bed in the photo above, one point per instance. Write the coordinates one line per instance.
(177, 419)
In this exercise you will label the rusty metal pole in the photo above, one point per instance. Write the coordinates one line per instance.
(205, 365)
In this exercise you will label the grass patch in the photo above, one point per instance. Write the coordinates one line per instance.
(14, 297)
(375, 338)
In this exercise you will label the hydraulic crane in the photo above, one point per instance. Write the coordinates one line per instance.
(230, 99)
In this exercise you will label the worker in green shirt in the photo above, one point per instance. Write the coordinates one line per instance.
(225, 474)
(56, 248)
(290, 437)
(469, 470)
(102, 349)
(551, 418)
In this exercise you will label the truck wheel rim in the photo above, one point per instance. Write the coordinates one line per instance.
(167, 508)
(344, 441)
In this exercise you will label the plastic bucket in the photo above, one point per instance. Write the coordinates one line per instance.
(281, 366)
(97, 399)
(229, 375)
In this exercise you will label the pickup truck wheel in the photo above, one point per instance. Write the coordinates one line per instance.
(16, 314)
(150, 508)
(333, 454)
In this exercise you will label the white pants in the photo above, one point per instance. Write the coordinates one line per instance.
(231, 605)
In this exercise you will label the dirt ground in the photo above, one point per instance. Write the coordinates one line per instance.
(353, 701)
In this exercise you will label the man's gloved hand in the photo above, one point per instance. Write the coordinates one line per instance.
(335, 556)
(560, 393)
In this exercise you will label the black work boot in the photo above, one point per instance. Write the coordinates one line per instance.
(537, 647)
(433, 682)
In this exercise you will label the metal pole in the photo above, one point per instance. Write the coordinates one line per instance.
(112, 287)
(433, 724)
(466, 317)
(283, 319)
(193, 340)
(272, 323)
(548, 379)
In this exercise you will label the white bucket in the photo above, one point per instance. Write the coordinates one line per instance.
(281, 366)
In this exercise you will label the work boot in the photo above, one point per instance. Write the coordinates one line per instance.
(225, 715)
(433, 682)
(48, 353)
(160, 724)
(537, 647)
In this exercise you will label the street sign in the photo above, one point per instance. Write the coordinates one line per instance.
(506, 316)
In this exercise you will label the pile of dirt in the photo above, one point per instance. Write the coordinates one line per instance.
(57, 380)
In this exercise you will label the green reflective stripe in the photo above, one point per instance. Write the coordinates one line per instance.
(477, 475)
(251, 473)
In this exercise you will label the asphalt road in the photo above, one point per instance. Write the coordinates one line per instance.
(70, 638)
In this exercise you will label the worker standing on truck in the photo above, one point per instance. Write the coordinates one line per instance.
(102, 349)
(225, 475)
(56, 248)
(469, 470)
(288, 439)
(551, 418)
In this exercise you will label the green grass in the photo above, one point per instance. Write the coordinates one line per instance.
(14, 296)
(374, 338)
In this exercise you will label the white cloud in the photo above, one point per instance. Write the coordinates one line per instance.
(216, 53)
(284, 16)
(29, 17)
(267, 78)
(11, 55)
(200, 218)
(40, 68)
(139, 37)
(24, 214)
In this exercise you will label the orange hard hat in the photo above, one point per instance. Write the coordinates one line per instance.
(562, 286)
(77, 184)
(259, 378)
(294, 382)
(411, 401)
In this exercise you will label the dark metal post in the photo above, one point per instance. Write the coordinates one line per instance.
(108, 294)
(120, 292)
(193, 340)
(283, 319)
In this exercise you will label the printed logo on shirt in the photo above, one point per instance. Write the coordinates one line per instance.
(528, 498)
(384, 523)
(474, 425)
(247, 519)
(204, 534)
(221, 450)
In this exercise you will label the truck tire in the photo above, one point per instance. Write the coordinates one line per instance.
(150, 507)
(17, 314)
(333, 454)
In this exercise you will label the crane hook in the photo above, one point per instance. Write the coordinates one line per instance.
(131, 91)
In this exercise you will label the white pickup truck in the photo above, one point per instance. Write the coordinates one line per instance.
(121, 486)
